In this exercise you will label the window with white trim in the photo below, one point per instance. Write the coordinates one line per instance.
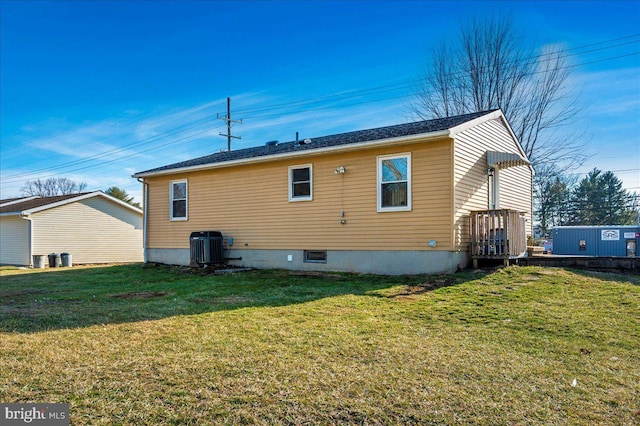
(301, 183)
(394, 182)
(178, 194)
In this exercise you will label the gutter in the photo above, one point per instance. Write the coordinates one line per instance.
(145, 200)
(402, 140)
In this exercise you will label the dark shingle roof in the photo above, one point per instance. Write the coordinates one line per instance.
(37, 202)
(10, 200)
(399, 130)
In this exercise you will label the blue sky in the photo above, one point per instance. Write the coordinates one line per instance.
(98, 90)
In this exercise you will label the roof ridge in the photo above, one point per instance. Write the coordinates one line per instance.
(352, 137)
(38, 201)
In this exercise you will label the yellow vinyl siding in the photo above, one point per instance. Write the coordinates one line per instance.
(250, 203)
(93, 230)
(470, 177)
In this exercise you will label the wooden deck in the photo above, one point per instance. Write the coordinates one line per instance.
(497, 234)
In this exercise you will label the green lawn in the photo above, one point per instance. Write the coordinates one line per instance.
(155, 345)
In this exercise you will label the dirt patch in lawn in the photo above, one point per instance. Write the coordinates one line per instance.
(140, 295)
(226, 300)
(25, 292)
(530, 278)
(314, 274)
(12, 311)
(408, 291)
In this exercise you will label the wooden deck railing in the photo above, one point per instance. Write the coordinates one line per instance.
(497, 234)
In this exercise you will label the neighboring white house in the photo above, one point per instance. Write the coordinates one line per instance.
(93, 227)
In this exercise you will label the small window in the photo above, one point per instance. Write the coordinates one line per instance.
(300, 183)
(178, 200)
(583, 244)
(394, 183)
(315, 256)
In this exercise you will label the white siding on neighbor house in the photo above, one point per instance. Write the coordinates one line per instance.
(470, 177)
(93, 230)
(14, 241)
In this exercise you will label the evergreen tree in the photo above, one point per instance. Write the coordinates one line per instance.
(121, 194)
(599, 199)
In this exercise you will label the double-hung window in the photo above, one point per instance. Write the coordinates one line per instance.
(394, 182)
(178, 200)
(301, 183)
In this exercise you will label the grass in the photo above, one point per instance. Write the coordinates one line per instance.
(135, 345)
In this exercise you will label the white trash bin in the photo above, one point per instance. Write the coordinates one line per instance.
(38, 261)
(66, 259)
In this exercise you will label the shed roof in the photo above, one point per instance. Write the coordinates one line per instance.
(34, 204)
(360, 136)
(11, 200)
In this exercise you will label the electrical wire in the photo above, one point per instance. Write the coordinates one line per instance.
(336, 98)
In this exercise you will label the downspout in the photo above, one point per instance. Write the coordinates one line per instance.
(28, 219)
(145, 197)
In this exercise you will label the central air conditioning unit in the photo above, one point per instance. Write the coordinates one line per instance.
(206, 248)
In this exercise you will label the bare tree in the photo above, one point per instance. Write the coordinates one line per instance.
(489, 66)
(52, 186)
(552, 197)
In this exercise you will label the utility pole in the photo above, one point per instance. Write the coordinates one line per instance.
(228, 119)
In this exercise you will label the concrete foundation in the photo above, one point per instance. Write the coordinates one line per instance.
(368, 262)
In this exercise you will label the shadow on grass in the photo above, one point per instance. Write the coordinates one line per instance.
(622, 276)
(37, 300)
(73, 298)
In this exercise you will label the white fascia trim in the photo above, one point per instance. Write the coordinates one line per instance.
(19, 200)
(478, 120)
(10, 214)
(403, 140)
(80, 198)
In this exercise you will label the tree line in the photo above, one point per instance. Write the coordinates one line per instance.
(597, 199)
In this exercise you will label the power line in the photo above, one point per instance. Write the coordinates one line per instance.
(335, 98)
(13, 180)
(459, 86)
(405, 83)
(142, 142)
